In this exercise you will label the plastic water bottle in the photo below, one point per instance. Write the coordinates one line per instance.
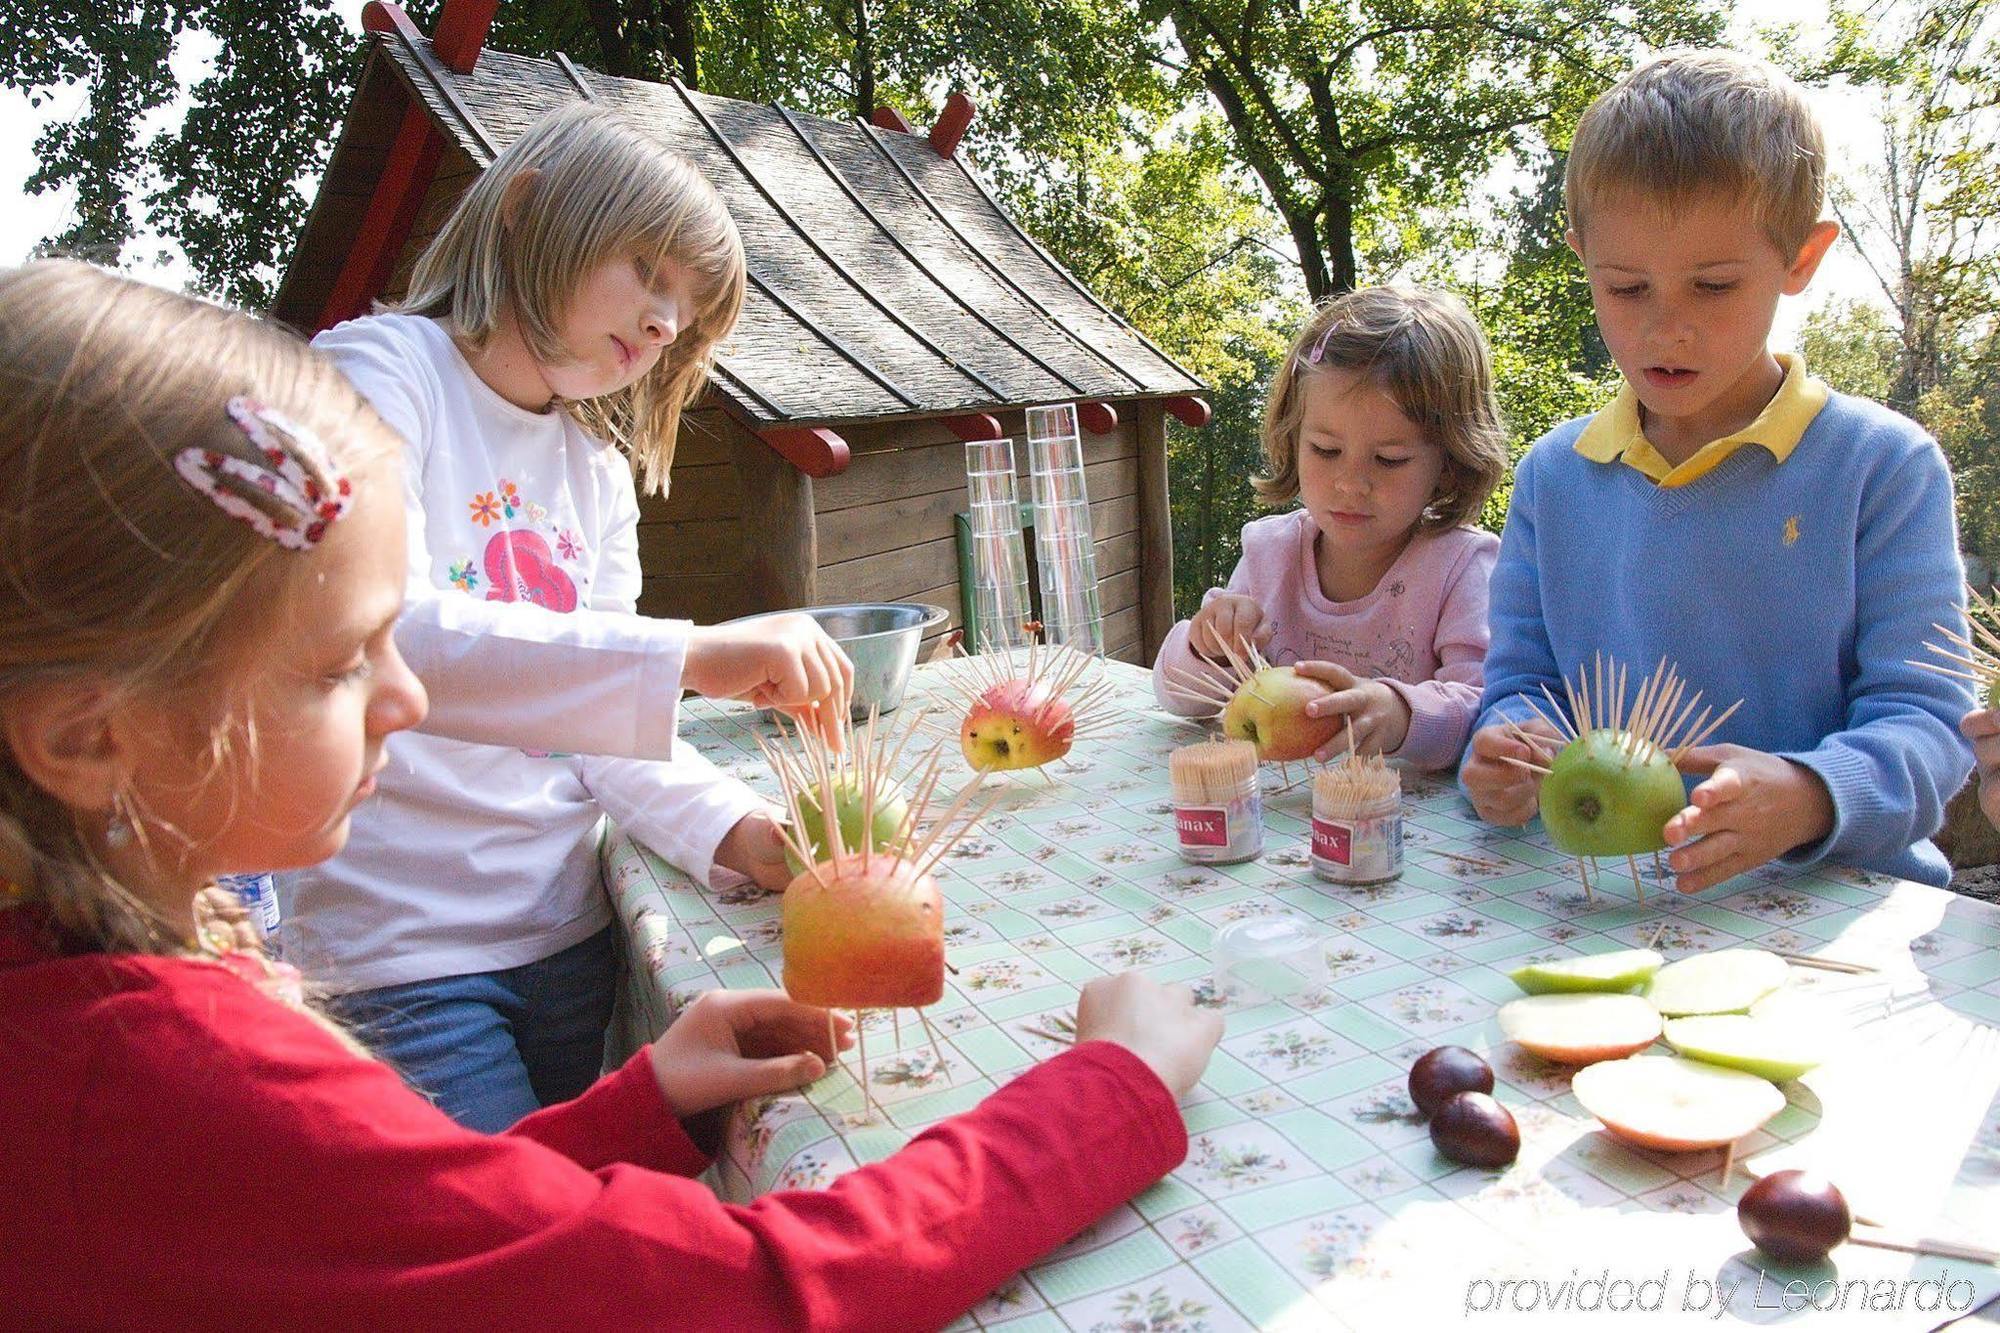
(260, 896)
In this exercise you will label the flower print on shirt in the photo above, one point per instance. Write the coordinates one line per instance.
(485, 509)
(537, 514)
(464, 576)
(569, 545)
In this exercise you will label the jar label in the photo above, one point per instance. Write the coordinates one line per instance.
(1332, 842)
(1202, 825)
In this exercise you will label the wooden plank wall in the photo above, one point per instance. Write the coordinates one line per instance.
(885, 524)
(454, 175)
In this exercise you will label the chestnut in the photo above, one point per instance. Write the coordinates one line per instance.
(1441, 1074)
(1796, 1217)
(1473, 1129)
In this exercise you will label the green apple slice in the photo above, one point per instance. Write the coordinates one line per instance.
(1765, 1047)
(1726, 982)
(1675, 1104)
(1580, 1029)
(1620, 970)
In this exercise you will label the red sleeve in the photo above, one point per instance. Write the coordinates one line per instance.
(619, 1118)
(234, 1164)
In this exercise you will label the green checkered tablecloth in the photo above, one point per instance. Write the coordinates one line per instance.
(1311, 1196)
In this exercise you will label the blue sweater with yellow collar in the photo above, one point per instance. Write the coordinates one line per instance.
(1797, 576)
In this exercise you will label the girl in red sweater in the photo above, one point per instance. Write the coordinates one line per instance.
(201, 563)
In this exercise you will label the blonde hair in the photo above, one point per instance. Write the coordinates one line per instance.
(1424, 349)
(112, 568)
(1693, 125)
(602, 189)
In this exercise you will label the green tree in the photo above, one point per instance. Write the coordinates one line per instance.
(1362, 119)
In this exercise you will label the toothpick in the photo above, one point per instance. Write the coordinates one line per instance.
(1659, 931)
(1728, 1163)
(1561, 721)
(1522, 763)
(861, 1048)
(937, 1052)
(1706, 732)
(1943, 1249)
(1582, 875)
(1638, 885)
(1828, 964)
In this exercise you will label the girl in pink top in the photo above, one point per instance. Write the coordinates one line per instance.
(1382, 424)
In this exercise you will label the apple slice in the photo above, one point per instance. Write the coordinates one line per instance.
(1580, 1029)
(1766, 1047)
(1675, 1104)
(1620, 970)
(1726, 982)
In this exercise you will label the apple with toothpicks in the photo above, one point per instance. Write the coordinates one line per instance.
(1263, 704)
(1974, 658)
(864, 921)
(1614, 784)
(1017, 719)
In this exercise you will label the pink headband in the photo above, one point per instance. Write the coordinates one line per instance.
(295, 472)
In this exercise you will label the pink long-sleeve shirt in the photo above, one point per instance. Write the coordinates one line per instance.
(1421, 631)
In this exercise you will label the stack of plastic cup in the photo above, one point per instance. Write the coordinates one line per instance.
(1065, 551)
(1001, 610)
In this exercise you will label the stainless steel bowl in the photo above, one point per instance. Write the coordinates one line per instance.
(880, 638)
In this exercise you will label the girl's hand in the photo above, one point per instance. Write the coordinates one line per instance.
(1982, 728)
(1505, 793)
(784, 662)
(732, 1044)
(1377, 713)
(1157, 1023)
(1752, 807)
(754, 848)
(1225, 625)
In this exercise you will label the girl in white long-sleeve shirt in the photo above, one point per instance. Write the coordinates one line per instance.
(574, 294)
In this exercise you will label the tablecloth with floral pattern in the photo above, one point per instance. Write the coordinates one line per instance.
(1311, 1196)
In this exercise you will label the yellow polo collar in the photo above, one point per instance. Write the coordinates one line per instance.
(1615, 434)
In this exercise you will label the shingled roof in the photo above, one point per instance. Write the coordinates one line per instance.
(885, 278)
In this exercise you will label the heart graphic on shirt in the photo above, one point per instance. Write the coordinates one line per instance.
(521, 568)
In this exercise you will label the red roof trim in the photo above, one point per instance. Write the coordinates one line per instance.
(392, 212)
(815, 451)
(888, 118)
(1190, 411)
(952, 123)
(1097, 418)
(977, 426)
(461, 30)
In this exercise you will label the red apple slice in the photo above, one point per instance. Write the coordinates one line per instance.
(1580, 1029)
(1728, 981)
(1673, 1104)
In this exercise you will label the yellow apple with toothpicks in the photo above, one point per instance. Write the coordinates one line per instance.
(1974, 658)
(1262, 704)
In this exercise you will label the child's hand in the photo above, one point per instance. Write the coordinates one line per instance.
(1157, 1023)
(1982, 728)
(1225, 625)
(754, 848)
(732, 1044)
(1502, 792)
(1752, 807)
(1377, 713)
(783, 662)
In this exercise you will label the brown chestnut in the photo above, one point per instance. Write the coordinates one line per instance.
(1441, 1074)
(1796, 1217)
(1474, 1129)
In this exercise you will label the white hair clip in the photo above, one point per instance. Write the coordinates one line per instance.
(299, 492)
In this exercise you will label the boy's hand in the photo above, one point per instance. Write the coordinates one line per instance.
(1982, 728)
(732, 1044)
(1225, 625)
(1751, 807)
(783, 662)
(754, 848)
(1505, 793)
(1157, 1023)
(1377, 713)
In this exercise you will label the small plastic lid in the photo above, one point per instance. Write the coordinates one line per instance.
(1276, 957)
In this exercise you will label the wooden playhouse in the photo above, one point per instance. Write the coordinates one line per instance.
(894, 310)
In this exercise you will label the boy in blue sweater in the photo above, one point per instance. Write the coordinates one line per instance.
(1779, 542)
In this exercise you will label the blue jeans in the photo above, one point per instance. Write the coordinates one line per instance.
(490, 1047)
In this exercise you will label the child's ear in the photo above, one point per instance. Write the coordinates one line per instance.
(514, 196)
(1574, 242)
(1818, 241)
(64, 738)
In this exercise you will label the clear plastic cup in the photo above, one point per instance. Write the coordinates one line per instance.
(1269, 958)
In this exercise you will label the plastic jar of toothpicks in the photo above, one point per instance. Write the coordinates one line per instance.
(1357, 821)
(1218, 812)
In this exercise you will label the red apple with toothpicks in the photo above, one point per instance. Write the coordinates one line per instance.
(1024, 717)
